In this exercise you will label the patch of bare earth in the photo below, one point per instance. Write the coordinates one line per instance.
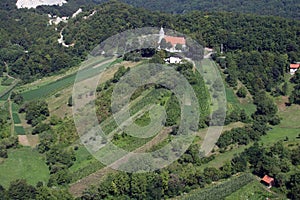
(281, 103)
(28, 140)
(23, 140)
(33, 140)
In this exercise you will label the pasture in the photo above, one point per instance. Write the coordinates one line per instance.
(289, 128)
(23, 163)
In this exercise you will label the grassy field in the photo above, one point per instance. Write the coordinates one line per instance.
(84, 165)
(20, 130)
(83, 159)
(7, 81)
(16, 118)
(5, 96)
(252, 191)
(289, 127)
(2, 87)
(232, 100)
(221, 159)
(25, 164)
(5, 84)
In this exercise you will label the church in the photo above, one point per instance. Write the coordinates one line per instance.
(172, 44)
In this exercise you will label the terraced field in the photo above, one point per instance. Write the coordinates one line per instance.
(92, 67)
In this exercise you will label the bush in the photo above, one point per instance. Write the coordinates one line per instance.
(242, 92)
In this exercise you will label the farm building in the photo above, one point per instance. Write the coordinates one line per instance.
(268, 181)
(294, 68)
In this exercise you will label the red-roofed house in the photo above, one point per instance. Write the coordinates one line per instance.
(173, 40)
(294, 68)
(268, 180)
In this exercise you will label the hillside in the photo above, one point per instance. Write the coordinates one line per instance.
(250, 55)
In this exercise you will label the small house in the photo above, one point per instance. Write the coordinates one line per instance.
(294, 68)
(269, 181)
(173, 60)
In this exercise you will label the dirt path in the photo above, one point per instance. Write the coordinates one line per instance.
(12, 129)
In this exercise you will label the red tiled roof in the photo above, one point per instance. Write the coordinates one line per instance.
(267, 179)
(175, 40)
(294, 66)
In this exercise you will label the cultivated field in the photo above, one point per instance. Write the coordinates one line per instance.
(52, 85)
(252, 191)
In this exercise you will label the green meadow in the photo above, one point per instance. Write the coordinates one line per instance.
(288, 129)
(23, 163)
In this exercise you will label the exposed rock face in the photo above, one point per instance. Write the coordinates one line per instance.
(35, 3)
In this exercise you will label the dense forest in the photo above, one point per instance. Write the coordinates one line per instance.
(282, 8)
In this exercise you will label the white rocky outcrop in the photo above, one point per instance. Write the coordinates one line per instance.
(36, 3)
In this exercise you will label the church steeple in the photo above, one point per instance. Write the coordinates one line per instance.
(161, 34)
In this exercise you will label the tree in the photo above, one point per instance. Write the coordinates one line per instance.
(296, 78)
(242, 92)
(3, 193)
(226, 170)
(294, 186)
(231, 79)
(239, 164)
(70, 101)
(169, 45)
(243, 116)
(211, 174)
(179, 47)
(19, 189)
(295, 96)
(36, 111)
(163, 44)
(285, 89)
(296, 156)
(138, 185)
(175, 185)
(62, 177)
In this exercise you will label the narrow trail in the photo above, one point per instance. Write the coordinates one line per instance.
(12, 130)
